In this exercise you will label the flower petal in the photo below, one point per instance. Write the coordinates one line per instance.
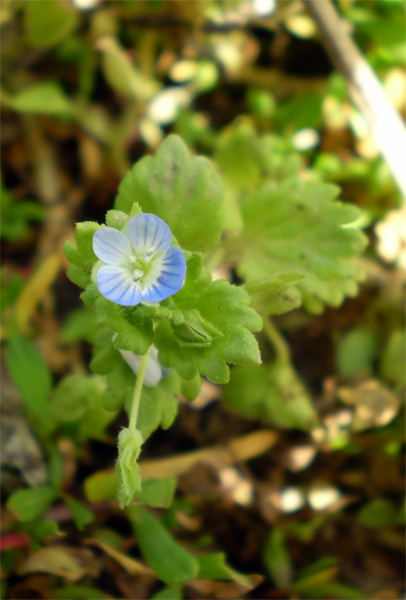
(166, 277)
(116, 284)
(111, 246)
(148, 234)
(154, 371)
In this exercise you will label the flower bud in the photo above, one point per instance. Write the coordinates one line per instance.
(128, 471)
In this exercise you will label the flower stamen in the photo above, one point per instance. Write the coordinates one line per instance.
(137, 274)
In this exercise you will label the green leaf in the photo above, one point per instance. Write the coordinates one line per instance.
(83, 259)
(185, 192)
(288, 404)
(277, 559)
(45, 98)
(81, 515)
(108, 536)
(154, 492)
(241, 170)
(214, 566)
(79, 592)
(78, 276)
(392, 367)
(356, 351)
(246, 391)
(333, 589)
(97, 417)
(318, 566)
(11, 286)
(159, 405)
(120, 387)
(30, 503)
(265, 157)
(195, 330)
(117, 219)
(84, 233)
(197, 280)
(72, 254)
(170, 404)
(121, 74)
(157, 492)
(45, 529)
(309, 583)
(275, 296)
(90, 295)
(48, 23)
(168, 593)
(56, 465)
(30, 375)
(387, 33)
(296, 226)
(105, 360)
(379, 512)
(300, 112)
(271, 392)
(69, 399)
(169, 561)
(101, 486)
(80, 325)
(221, 334)
(191, 389)
(16, 214)
(136, 337)
(172, 355)
(214, 368)
(79, 398)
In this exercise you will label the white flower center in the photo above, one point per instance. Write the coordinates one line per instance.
(137, 274)
(141, 266)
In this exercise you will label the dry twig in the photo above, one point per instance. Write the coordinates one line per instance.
(385, 123)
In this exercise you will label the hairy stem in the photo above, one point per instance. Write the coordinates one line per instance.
(277, 341)
(137, 391)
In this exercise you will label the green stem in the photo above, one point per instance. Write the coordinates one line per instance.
(277, 341)
(137, 391)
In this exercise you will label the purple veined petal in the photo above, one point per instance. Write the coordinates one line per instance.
(148, 234)
(117, 284)
(111, 246)
(167, 276)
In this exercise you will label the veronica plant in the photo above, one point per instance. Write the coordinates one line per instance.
(163, 321)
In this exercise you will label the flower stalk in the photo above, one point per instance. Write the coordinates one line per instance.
(277, 341)
(137, 391)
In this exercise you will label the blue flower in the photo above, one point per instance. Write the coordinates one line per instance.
(141, 265)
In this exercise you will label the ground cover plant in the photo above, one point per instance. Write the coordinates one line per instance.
(202, 303)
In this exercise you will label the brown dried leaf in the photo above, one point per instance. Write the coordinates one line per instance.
(35, 290)
(131, 565)
(59, 560)
(224, 589)
(236, 450)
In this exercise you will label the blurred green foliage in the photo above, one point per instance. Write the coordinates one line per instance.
(116, 79)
